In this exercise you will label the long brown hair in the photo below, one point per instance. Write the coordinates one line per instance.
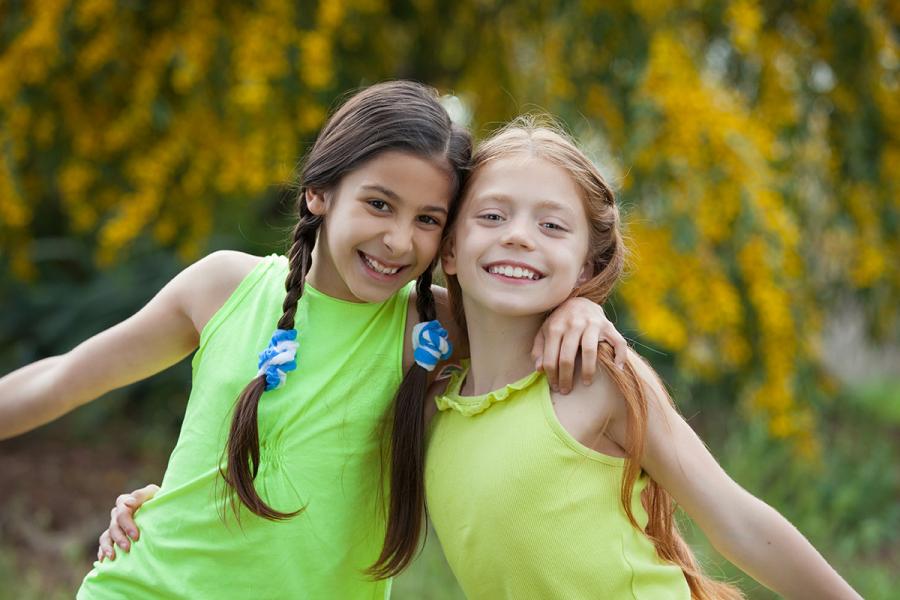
(540, 138)
(396, 115)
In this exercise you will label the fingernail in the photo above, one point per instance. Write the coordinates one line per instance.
(132, 533)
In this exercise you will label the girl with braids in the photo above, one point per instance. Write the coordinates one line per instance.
(538, 495)
(277, 494)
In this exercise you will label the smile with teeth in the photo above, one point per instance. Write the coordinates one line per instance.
(377, 266)
(514, 272)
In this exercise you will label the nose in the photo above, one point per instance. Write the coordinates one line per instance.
(398, 239)
(518, 235)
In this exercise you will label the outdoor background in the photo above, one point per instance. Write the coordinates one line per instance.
(755, 147)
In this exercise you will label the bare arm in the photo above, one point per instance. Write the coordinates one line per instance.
(156, 337)
(744, 529)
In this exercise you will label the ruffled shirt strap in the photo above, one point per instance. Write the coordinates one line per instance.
(469, 406)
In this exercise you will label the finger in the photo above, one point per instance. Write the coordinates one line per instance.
(118, 534)
(620, 346)
(589, 342)
(568, 352)
(124, 521)
(552, 341)
(537, 351)
(106, 546)
(144, 494)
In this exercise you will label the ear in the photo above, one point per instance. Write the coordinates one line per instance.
(587, 273)
(448, 257)
(315, 202)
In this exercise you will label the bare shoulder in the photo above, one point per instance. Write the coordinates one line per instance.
(602, 391)
(589, 412)
(205, 285)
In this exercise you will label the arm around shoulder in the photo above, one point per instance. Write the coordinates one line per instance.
(160, 334)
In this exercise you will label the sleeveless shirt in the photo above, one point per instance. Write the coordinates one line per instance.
(523, 510)
(320, 447)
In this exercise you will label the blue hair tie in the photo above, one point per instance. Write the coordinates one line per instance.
(430, 344)
(278, 358)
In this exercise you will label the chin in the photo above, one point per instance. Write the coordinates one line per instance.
(517, 309)
(376, 293)
(520, 305)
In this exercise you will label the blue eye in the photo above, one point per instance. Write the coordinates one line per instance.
(553, 227)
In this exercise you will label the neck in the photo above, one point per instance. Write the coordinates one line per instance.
(500, 348)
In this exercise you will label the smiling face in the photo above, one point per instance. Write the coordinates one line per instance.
(382, 228)
(521, 239)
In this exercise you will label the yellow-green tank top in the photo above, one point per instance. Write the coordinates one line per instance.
(523, 510)
(320, 449)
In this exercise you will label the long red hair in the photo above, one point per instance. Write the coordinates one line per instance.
(541, 139)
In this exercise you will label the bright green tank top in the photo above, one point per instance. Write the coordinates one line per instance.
(523, 510)
(320, 448)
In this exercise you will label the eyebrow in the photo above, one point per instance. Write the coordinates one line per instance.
(548, 204)
(396, 198)
(554, 205)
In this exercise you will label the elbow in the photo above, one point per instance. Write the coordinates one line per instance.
(748, 528)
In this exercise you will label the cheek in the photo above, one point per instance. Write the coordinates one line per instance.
(428, 243)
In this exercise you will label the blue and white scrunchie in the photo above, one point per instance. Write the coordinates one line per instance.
(430, 344)
(278, 358)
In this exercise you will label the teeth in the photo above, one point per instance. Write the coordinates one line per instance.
(514, 272)
(377, 266)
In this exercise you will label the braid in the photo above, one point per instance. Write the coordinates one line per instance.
(300, 260)
(242, 448)
(407, 497)
(424, 297)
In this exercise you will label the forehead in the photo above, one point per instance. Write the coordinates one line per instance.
(525, 179)
(406, 177)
